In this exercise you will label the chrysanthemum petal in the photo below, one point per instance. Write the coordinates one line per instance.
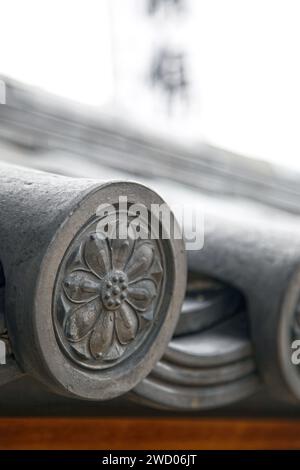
(140, 262)
(97, 254)
(82, 320)
(141, 294)
(126, 323)
(102, 336)
(115, 352)
(122, 244)
(81, 286)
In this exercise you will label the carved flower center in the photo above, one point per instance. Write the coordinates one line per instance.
(114, 289)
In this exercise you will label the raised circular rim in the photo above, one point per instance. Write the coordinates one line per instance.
(67, 377)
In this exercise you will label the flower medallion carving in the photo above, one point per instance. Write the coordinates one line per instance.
(106, 296)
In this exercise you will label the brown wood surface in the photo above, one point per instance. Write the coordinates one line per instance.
(111, 433)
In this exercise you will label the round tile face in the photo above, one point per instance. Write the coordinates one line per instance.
(107, 292)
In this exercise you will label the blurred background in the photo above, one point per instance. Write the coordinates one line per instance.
(227, 72)
(202, 92)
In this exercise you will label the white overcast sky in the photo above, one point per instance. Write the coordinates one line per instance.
(246, 66)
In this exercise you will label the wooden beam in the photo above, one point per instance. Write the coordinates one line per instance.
(113, 433)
